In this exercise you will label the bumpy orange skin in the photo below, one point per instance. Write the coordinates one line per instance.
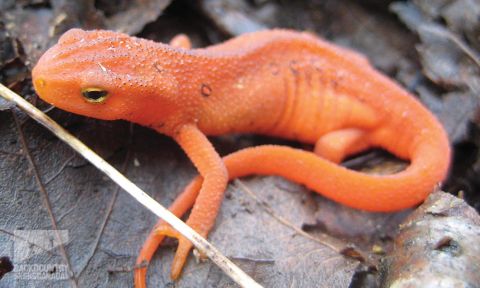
(279, 83)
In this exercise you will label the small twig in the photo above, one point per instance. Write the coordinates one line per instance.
(256, 260)
(48, 109)
(237, 275)
(124, 269)
(46, 198)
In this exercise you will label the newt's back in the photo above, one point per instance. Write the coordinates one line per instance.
(294, 85)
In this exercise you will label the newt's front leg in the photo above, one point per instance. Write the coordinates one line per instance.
(215, 178)
(179, 207)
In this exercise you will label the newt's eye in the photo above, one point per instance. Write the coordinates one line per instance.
(94, 95)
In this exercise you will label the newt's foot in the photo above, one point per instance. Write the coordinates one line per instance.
(184, 247)
(337, 145)
(181, 41)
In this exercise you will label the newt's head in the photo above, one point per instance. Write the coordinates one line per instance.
(104, 75)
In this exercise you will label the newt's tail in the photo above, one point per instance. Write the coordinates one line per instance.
(355, 189)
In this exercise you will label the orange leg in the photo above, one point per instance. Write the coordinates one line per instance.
(215, 178)
(180, 206)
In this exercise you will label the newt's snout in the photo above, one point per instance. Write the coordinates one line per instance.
(49, 77)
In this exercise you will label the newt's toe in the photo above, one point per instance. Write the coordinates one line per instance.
(166, 230)
(184, 247)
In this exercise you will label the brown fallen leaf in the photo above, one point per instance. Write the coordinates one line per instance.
(38, 29)
(447, 60)
(238, 17)
(134, 15)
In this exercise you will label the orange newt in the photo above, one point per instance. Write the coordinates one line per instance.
(278, 83)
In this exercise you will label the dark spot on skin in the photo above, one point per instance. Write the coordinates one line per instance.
(334, 84)
(205, 90)
(158, 67)
(339, 80)
(274, 68)
(293, 67)
(316, 66)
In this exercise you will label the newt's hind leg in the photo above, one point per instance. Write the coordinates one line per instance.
(181, 41)
(337, 145)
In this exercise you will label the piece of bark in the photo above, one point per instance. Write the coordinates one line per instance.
(437, 246)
